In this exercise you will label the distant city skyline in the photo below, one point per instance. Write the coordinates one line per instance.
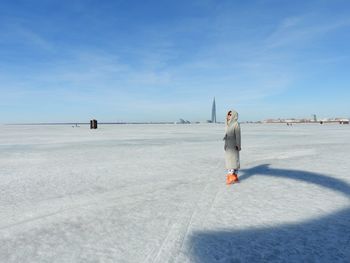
(154, 61)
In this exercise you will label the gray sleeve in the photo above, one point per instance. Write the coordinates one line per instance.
(238, 135)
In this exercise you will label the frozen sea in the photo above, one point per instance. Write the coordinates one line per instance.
(157, 193)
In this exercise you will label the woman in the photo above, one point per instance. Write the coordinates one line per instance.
(232, 146)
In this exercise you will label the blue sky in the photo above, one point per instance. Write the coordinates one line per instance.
(164, 60)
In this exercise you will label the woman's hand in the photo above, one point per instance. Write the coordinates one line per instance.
(238, 148)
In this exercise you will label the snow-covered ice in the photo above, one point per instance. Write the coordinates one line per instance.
(157, 193)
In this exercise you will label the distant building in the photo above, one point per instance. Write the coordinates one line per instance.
(344, 121)
(213, 112)
(313, 120)
(182, 121)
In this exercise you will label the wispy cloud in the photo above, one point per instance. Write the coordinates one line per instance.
(15, 32)
(30, 37)
(299, 29)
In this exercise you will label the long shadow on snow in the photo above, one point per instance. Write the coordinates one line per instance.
(325, 239)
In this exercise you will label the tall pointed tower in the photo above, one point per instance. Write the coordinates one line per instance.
(213, 112)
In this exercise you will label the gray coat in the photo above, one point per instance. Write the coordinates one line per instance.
(232, 142)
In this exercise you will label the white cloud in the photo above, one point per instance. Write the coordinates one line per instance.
(15, 32)
(298, 30)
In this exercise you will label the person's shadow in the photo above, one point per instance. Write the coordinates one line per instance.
(325, 239)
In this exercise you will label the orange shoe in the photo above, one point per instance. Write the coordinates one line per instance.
(229, 179)
(235, 178)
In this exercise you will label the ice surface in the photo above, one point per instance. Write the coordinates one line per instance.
(157, 193)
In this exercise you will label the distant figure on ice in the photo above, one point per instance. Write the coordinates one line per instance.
(232, 146)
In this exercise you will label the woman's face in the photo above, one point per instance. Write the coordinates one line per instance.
(229, 115)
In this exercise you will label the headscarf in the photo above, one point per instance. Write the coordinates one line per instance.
(234, 118)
